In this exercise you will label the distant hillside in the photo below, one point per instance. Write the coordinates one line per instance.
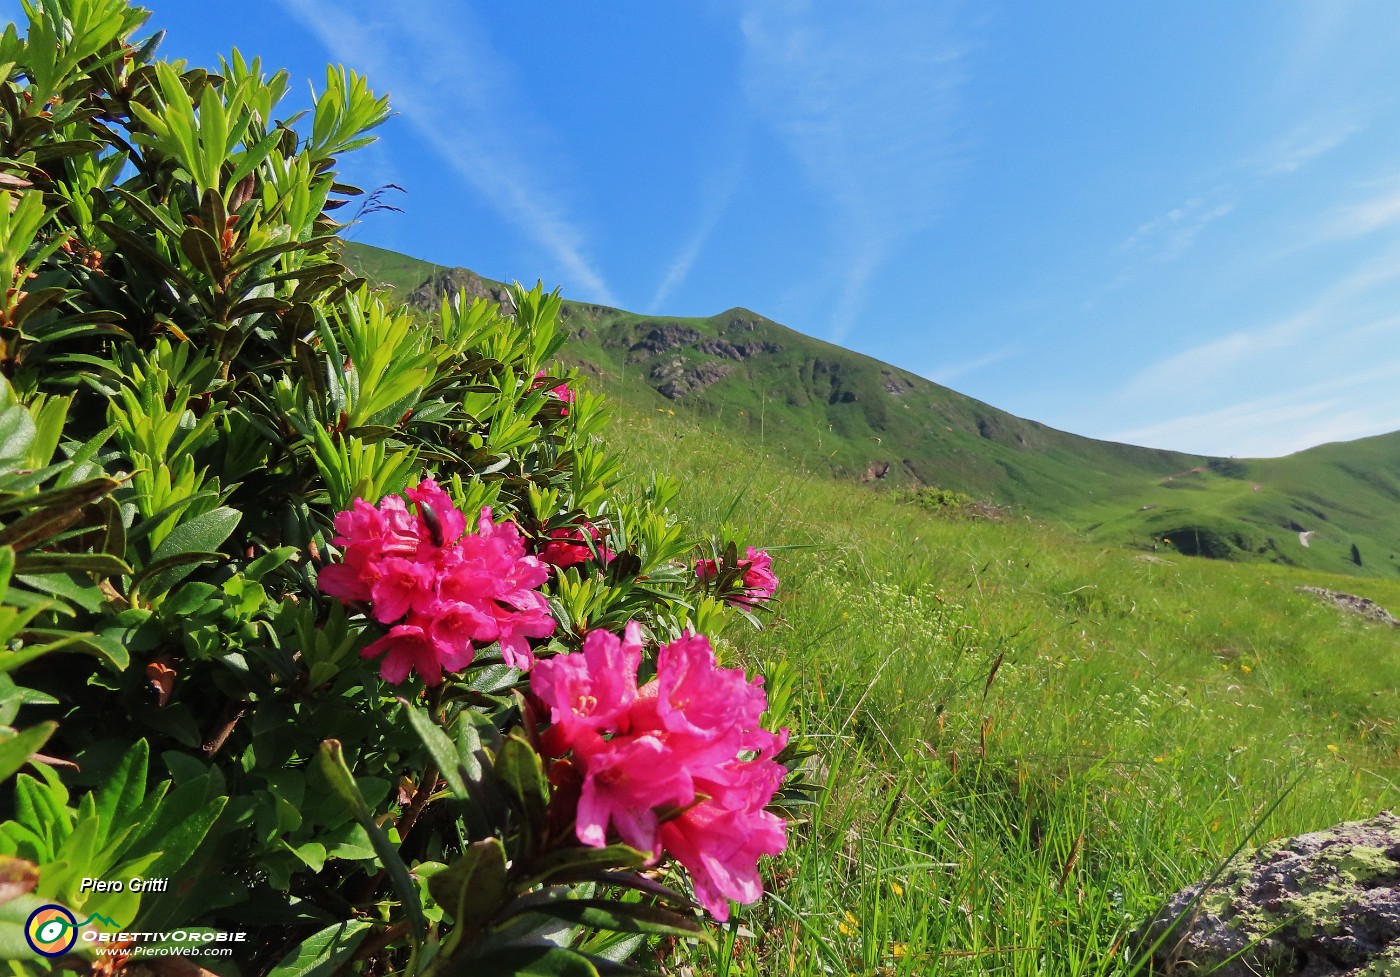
(827, 407)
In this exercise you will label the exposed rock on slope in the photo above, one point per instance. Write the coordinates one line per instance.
(1317, 905)
(1363, 606)
(674, 378)
(449, 281)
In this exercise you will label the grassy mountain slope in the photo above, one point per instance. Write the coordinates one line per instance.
(829, 408)
(1027, 739)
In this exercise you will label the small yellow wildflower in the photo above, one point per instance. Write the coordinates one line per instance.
(1332, 747)
(1159, 759)
(1246, 669)
(896, 888)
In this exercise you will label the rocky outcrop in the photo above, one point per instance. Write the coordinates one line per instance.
(895, 384)
(1316, 905)
(736, 351)
(664, 337)
(1361, 606)
(449, 281)
(674, 378)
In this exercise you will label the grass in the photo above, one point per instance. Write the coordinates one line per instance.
(1027, 741)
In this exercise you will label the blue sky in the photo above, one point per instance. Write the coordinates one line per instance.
(1173, 224)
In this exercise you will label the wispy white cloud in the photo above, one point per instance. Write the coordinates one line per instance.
(1381, 209)
(1336, 408)
(716, 195)
(1170, 235)
(448, 82)
(868, 98)
(947, 373)
(1200, 366)
(1301, 146)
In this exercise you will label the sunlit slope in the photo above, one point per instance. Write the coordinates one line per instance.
(829, 408)
(823, 404)
(1333, 507)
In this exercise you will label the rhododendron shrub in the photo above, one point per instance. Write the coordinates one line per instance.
(296, 574)
(443, 591)
(756, 581)
(689, 740)
(570, 546)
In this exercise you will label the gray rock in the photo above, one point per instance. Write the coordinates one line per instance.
(1363, 606)
(1320, 904)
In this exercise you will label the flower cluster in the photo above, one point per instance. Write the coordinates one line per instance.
(689, 741)
(759, 582)
(569, 547)
(444, 592)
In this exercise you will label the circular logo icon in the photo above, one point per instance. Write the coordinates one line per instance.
(51, 931)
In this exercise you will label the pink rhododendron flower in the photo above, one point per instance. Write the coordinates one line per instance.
(720, 848)
(444, 592)
(568, 546)
(562, 392)
(690, 739)
(759, 582)
(589, 692)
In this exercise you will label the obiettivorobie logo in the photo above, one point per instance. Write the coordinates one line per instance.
(52, 931)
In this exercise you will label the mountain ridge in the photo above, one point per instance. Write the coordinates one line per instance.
(823, 406)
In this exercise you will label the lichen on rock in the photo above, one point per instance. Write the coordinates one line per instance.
(1315, 905)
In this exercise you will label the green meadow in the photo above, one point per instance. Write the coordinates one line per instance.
(1026, 740)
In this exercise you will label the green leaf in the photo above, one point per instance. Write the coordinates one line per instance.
(520, 773)
(16, 749)
(323, 953)
(186, 600)
(85, 594)
(113, 653)
(160, 567)
(124, 790)
(440, 747)
(17, 432)
(67, 497)
(203, 252)
(269, 561)
(188, 544)
(472, 888)
(13, 916)
(202, 534)
(181, 823)
(531, 961)
(622, 917)
(99, 563)
(579, 859)
(312, 854)
(332, 765)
